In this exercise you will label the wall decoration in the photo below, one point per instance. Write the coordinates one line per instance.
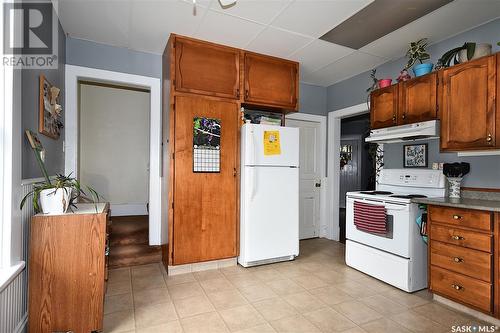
(49, 116)
(206, 144)
(415, 156)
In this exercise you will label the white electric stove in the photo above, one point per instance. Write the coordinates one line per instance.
(398, 257)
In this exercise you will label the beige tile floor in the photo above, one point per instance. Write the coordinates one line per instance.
(315, 293)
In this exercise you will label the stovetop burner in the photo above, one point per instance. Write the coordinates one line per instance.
(408, 196)
(376, 192)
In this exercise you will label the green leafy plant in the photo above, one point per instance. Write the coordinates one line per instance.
(452, 55)
(60, 182)
(416, 52)
(63, 183)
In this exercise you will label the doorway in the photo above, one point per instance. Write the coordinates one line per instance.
(312, 153)
(114, 127)
(356, 162)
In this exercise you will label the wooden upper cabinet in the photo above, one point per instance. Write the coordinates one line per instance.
(384, 107)
(418, 100)
(206, 68)
(468, 105)
(271, 81)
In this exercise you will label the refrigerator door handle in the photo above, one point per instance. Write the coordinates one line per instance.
(254, 147)
(253, 181)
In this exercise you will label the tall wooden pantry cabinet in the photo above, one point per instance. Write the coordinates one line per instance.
(209, 83)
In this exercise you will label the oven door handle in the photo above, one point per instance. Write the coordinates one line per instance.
(387, 205)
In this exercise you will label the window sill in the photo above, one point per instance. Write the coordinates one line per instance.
(9, 273)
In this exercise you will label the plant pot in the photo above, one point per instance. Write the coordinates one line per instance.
(454, 187)
(55, 201)
(384, 83)
(422, 69)
(481, 50)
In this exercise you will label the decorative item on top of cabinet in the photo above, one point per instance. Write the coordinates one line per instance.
(418, 99)
(206, 68)
(271, 82)
(384, 107)
(467, 98)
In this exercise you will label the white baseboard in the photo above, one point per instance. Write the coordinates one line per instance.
(128, 209)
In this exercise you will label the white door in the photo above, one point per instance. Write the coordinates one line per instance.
(310, 177)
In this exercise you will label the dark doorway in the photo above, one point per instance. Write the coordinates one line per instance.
(356, 162)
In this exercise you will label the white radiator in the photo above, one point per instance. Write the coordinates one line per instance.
(14, 297)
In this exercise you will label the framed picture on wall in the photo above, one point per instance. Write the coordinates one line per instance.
(49, 113)
(415, 156)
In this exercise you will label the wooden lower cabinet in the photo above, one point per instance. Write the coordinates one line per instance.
(205, 203)
(462, 259)
(67, 271)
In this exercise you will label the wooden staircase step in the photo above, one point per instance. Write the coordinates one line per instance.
(129, 242)
(131, 255)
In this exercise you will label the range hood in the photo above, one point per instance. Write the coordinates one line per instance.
(418, 131)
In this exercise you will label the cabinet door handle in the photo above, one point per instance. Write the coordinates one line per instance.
(458, 260)
(489, 138)
(456, 237)
(457, 287)
(246, 93)
(404, 116)
(238, 93)
(394, 118)
(457, 217)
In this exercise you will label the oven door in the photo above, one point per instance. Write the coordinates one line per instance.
(397, 239)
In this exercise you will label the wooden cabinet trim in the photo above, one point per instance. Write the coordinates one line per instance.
(489, 139)
(406, 116)
(179, 54)
(251, 99)
(374, 114)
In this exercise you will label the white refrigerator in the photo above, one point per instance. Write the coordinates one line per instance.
(269, 212)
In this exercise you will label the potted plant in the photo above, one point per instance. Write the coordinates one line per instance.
(57, 195)
(464, 53)
(416, 52)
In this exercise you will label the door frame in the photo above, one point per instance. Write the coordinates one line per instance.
(73, 74)
(324, 222)
(359, 139)
(334, 124)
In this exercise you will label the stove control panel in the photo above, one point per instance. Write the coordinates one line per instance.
(417, 178)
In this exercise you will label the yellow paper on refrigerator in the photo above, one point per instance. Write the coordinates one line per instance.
(272, 143)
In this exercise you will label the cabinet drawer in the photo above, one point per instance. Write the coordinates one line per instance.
(476, 219)
(461, 237)
(476, 264)
(461, 288)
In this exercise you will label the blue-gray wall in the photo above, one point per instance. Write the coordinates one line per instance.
(85, 53)
(312, 99)
(485, 170)
(54, 154)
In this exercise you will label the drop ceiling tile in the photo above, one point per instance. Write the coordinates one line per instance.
(101, 21)
(277, 42)
(436, 26)
(261, 11)
(351, 65)
(153, 21)
(227, 30)
(318, 54)
(316, 17)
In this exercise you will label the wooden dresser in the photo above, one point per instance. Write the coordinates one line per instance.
(67, 270)
(461, 253)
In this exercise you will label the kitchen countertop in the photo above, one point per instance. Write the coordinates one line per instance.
(470, 203)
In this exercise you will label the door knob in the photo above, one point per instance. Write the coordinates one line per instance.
(317, 184)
